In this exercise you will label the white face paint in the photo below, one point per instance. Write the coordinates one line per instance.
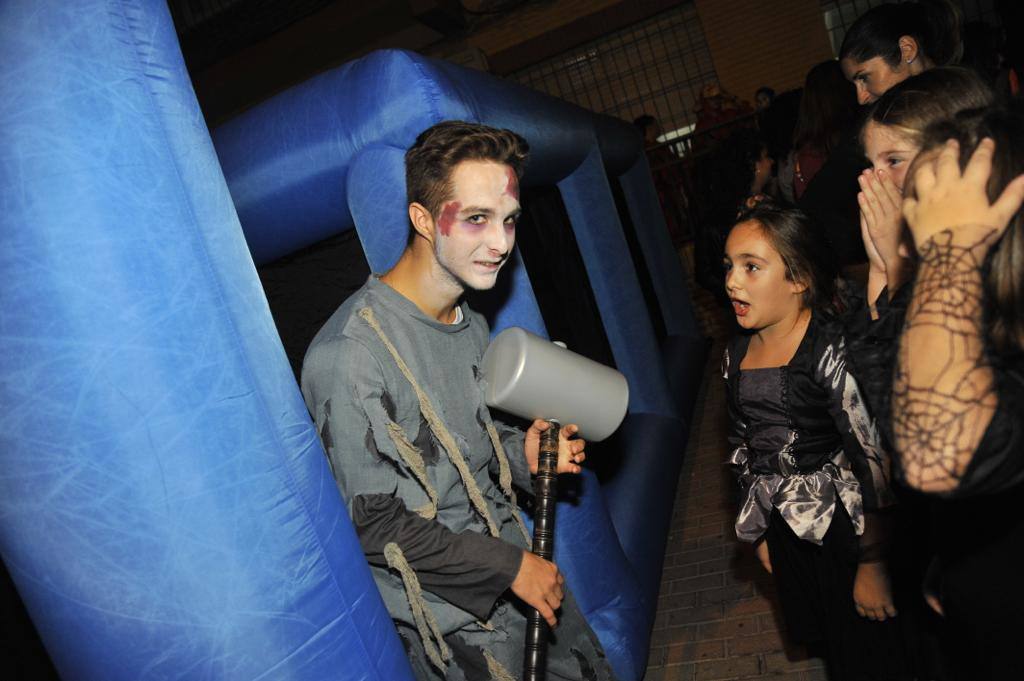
(476, 229)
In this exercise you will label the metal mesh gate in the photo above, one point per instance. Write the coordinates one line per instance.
(657, 66)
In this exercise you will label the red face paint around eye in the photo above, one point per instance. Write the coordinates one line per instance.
(512, 184)
(448, 215)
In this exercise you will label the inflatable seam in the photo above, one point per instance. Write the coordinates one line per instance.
(430, 90)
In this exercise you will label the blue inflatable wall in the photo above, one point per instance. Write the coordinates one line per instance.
(165, 508)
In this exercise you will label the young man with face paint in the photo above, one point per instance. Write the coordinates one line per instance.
(393, 383)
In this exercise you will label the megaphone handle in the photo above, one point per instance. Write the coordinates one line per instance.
(545, 493)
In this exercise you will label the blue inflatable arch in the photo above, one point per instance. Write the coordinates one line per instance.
(166, 510)
(343, 166)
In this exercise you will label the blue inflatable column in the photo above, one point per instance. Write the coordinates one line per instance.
(640, 494)
(376, 197)
(684, 350)
(165, 508)
(659, 253)
(595, 219)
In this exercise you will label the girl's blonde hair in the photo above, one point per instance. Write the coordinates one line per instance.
(929, 97)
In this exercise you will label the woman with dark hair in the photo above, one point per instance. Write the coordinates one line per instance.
(885, 46)
(959, 380)
(828, 109)
(891, 42)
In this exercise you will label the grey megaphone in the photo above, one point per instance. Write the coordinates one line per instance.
(534, 378)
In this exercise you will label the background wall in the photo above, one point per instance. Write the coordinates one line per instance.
(755, 43)
(655, 66)
(607, 55)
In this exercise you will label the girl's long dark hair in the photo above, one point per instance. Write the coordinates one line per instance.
(1004, 275)
(804, 251)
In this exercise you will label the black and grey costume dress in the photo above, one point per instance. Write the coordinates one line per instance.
(428, 477)
(814, 481)
(976, 532)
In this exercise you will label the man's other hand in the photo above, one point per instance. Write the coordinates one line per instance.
(539, 585)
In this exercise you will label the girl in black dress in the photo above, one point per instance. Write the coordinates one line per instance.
(814, 480)
(958, 387)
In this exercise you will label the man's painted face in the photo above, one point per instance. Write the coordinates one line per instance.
(476, 228)
(755, 280)
(872, 77)
(889, 149)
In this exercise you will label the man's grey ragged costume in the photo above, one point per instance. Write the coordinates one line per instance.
(399, 405)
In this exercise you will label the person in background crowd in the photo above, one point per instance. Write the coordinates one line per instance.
(1011, 18)
(891, 42)
(828, 109)
(984, 53)
(730, 178)
(763, 98)
(715, 109)
(886, 45)
(668, 178)
(777, 124)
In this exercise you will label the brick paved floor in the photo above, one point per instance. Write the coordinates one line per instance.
(716, 615)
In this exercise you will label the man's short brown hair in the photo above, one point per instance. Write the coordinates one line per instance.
(438, 149)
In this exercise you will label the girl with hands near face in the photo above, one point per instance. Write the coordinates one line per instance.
(881, 225)
(891, 137)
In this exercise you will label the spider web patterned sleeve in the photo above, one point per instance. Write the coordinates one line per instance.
(956, 412)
